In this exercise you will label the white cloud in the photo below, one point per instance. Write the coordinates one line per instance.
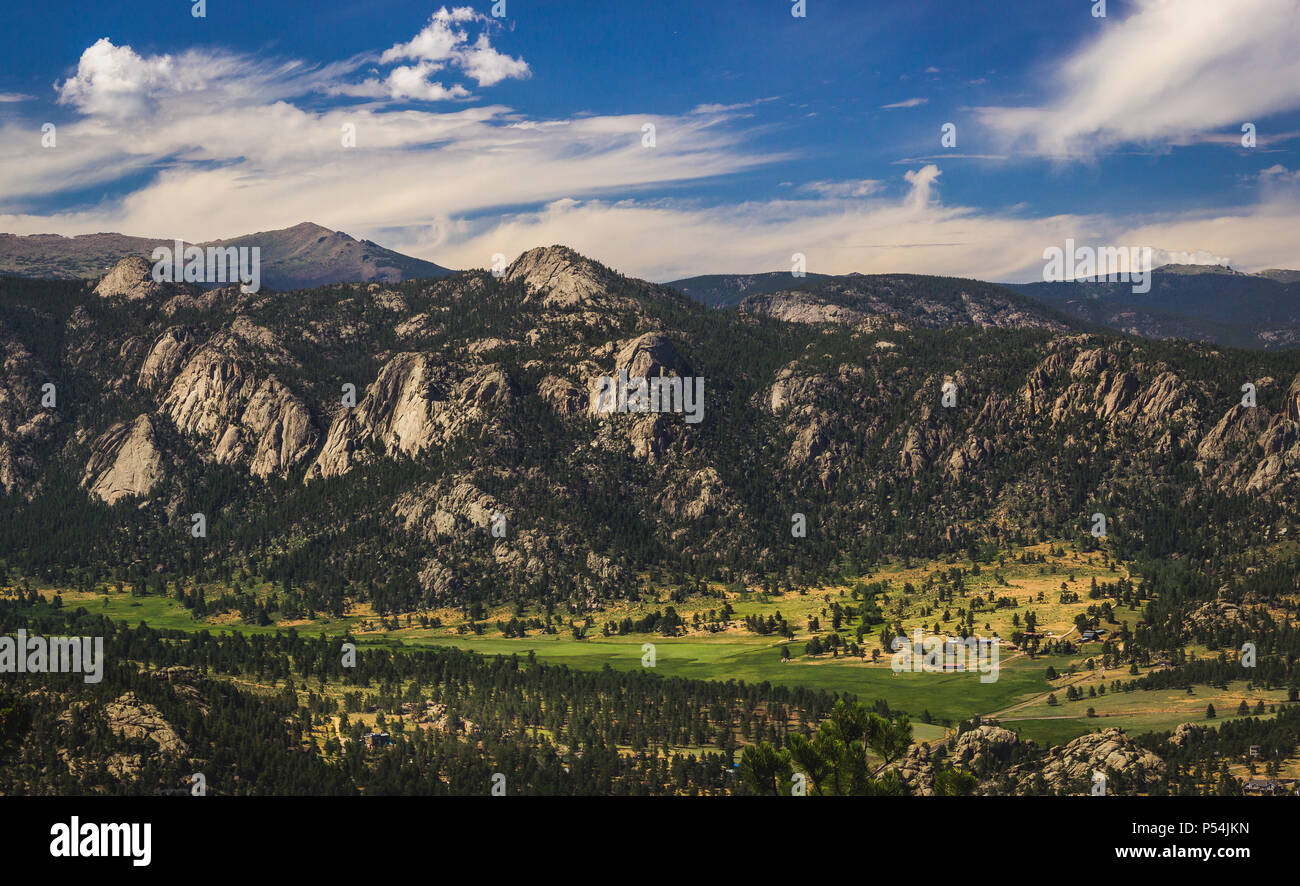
(441, 43)
(117, 81)
(437, 41)
(231, 151)
(488, 66)
(908, 233)
(906, 103)
(1166, 73)
(921, 181)
(407, 81)
(863, 187)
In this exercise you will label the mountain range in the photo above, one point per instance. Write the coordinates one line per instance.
(413, 460)
(1195, 302)
(475, 395)
(1205, 303)
(302, 256)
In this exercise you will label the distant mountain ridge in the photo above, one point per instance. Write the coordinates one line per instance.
(1198, 302)
(1212, 303)
(299, 257)
(725, 290)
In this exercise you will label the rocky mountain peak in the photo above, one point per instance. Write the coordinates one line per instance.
(565, 277)
(131, 278)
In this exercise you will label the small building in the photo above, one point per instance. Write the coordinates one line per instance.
(377, 740)
(1270, 786)
(1254, 750)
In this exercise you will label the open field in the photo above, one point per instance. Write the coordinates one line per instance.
(1047, 583)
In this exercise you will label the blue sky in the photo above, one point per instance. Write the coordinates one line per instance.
(774, 134)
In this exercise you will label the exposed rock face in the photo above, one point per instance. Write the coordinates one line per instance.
(702, 494)
(239, 417)
(968, 456)
(563, 277)
(916, 771)
(1089, 363)
(130, 717)
(1114, 392)
(437, 581)
(650, 436)
(528, 551)
(1187, 733)
(985, 749)
(439, 717)
(1039, 380)
(808, 444)
(1246, 450)
(873, 302)
(1291, 408)
(1238, 425)
(131, 279)
(1250, 449)
(125, 462)
(802, 307)
(793, 388)
(562, 395)
(920, 446)
(1156, 401)
(165, 357)
(414, 404)
(25, 425)
(1212, 614)
(426, 512)
(1280, 443)
(649, 356)
(1129, 768)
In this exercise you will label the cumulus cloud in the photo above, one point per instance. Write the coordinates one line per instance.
(438, 40)
(231, 147)
(921, 181)
(414, 82)
(441, 43)
(488, 66)
(117, 82)
(1164, 74)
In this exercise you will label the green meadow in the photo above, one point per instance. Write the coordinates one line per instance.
(728, 656)
(1019, 697)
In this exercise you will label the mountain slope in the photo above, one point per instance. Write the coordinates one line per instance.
(1188, 301)
(474, 397)
(874, 301)
(302, 256)
(725, 290)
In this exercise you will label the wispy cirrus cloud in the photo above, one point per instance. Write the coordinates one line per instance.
(207, 143)
(1167, 73)
(888, 231)
(117, 82)
(906, 103)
